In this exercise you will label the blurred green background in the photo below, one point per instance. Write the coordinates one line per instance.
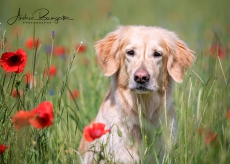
(201, 24)
(193, 21)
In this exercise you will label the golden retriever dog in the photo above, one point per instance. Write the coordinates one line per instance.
(142, 62)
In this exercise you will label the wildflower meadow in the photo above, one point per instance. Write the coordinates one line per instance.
(51, 85)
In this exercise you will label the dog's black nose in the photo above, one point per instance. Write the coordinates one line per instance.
(141, 76)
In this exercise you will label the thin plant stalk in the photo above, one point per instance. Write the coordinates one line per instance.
(64, 82)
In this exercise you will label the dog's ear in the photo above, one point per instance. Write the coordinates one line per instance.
(107, 51)
(180, 58)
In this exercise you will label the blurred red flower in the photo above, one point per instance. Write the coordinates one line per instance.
(52, 71)
(21, 119)
(14, 61)
(28, 78)
(75, 94)
(209, 136)
(228, 29)
(200, 131)
(30, 43)
(81, 48)
(59, 50)
(217, 49)
(96, 130)
(17, 30)
(15, 94)
(85, 61)
(228, 114)
(3, 148)
(40, 117)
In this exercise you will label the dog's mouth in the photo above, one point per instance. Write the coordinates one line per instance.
(141, 90)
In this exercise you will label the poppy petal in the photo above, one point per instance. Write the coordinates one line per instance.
(43, 115)
(14, 61)
(95, 131)
(3, 148)
(21, 119)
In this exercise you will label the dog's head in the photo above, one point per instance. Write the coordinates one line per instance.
(143, 58)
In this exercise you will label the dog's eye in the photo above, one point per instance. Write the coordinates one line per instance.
(130, 52)
(157, 54)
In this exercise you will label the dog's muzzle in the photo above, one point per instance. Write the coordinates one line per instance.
(141, 78)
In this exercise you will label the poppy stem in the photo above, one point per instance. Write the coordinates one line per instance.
(71, 94)
(75, 102)
(35, 57)
(9, 80)
(34, 63)
(37, 49)
(18, 93)
(3, 82)
(51, 53)
(13, 83)
(225, 80)
(50, 59)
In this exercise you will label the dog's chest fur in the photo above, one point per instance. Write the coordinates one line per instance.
(123, 108)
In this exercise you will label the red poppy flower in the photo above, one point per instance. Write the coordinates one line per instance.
(3, 148)
(81, 48)
(228, 114)
(21, 119)
(15, 94)
(75, 94)
(30, 43)
(14, 61)
(59, 51)
(95, 131)
(52, 71)
(42, 115)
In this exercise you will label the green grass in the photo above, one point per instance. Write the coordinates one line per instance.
(201, 101)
